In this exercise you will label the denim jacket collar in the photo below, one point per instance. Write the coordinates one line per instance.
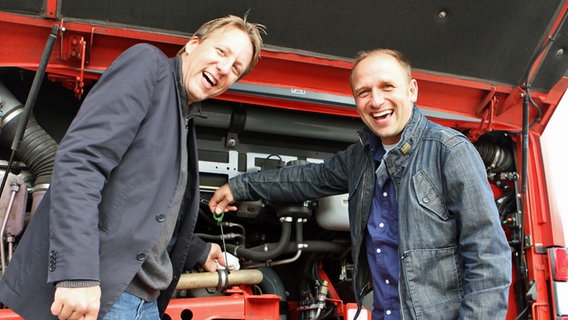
(396, 158)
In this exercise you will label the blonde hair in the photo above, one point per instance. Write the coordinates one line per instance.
(253, 31)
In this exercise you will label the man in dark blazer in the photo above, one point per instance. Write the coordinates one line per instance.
(111, 236)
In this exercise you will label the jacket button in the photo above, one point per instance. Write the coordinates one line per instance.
(52, 260)
(141, 256)
(161, 218)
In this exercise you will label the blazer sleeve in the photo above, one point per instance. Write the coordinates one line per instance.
(198, 252)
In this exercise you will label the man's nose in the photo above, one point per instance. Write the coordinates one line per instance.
(377, 98)
(224, 65)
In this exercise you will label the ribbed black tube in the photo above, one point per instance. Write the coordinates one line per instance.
(36, 147)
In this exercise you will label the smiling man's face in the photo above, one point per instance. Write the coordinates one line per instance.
(211, 66)
(384, 96)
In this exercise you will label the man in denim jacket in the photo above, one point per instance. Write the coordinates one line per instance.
(425, 230)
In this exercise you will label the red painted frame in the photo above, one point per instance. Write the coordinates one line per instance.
(498, 105)
(445, 93)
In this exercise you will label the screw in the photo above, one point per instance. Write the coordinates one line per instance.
(231, 142)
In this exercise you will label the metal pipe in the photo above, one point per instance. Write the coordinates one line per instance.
(269, 120)
(14, 189)
(211, 279)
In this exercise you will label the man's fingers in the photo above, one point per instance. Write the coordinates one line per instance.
(92, 314)
(69, 313)
(230, 208)
(221, 206)
(221, 200)
(56, 307)
(76, 303)
(65, 312)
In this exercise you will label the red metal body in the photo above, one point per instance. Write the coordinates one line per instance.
(71, 64)
(238, 304)
(83, 51)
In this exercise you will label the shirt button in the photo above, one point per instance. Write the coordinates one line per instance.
(382, 225)
(388, 312)
(385, 194)
(387, 281)
(425, 200)
(161, 217)
(141, 256)
(379, 250)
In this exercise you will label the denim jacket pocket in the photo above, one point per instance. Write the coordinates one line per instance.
(433, 282)
(428, 196)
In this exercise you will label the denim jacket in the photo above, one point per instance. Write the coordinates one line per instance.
(455, 260)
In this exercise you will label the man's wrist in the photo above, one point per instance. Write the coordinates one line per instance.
(76, 283)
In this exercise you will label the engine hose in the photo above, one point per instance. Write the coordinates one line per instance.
(299, 231)
(265, 253)
(312, 246)
(315, 246)
(37, 148)
(495, 158)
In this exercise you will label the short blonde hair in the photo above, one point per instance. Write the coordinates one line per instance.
(253, 31)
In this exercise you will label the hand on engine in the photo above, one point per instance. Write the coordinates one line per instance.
(221, 200)
(215, 256)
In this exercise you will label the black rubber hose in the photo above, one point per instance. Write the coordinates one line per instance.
(262, 254)
(311, 246)
(36, 148)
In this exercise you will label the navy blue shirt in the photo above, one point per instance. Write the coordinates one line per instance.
(382, 244)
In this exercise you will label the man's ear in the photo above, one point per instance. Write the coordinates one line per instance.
(191, 43)
(413, 90)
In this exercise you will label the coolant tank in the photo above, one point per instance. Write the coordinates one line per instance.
(332, 214)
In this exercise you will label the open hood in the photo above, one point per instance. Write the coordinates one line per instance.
(471, 58)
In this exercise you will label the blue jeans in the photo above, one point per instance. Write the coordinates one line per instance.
(130, 307)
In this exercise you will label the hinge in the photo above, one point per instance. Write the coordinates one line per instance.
(76, 49)
(486, 109)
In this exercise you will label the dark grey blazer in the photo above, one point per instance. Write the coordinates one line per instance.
(113, 185)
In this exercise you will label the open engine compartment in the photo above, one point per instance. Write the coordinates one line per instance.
(302, 250)
(472, 61)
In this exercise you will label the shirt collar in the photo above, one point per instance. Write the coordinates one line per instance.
(188, 110)
(375, 147)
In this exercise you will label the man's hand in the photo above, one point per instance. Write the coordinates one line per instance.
(215, 255)
(77, 303)
(221, 200)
